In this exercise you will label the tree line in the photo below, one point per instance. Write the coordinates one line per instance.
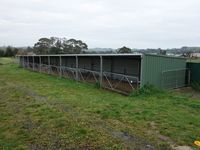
(8, 51)
(53, 45)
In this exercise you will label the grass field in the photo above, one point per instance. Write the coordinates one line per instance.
(38, 111)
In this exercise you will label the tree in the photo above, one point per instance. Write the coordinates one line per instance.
(73, 46)
(124, 50)
(187, 54)
(162, 52)
(42, 46)
(56, 45)
(9, 52)
(1, 53)
(29, 49)
(55, 50)
(15, 51)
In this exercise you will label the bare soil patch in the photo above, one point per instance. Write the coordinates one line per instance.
(190, 91)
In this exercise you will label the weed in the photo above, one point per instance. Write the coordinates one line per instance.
(97, 85)
(146, 90)
(196, 86)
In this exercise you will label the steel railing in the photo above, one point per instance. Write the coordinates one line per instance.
(113, 81)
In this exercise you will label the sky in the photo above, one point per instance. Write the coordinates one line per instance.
(102, 23)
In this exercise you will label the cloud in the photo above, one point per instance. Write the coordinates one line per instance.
(105, 23)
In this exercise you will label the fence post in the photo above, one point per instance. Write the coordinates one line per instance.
(33, 64)
(28, 62)
(101, 71)
(77, 68)
(60, 66)
(23, 63)
(40, 63)
(49, 70)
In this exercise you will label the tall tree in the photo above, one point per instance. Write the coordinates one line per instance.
(42, 46)
(1, 53)
(56, 45)
(73, 46)
(124, 50)
(15, 50)
(9, 52)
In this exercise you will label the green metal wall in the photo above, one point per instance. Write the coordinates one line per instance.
(195, 71)
(153, 67)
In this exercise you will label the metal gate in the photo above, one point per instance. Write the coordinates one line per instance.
(89, 76)
(120, 82)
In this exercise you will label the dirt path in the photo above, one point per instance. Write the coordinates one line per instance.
(189, 91)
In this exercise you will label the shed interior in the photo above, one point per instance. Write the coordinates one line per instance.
(115, 72)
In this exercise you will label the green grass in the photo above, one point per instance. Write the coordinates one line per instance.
(196, 86)
(6, 60)
(44, 112)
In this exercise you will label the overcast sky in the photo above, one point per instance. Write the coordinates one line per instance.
(102, 23)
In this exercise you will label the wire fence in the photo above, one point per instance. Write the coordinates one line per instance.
(175, 78)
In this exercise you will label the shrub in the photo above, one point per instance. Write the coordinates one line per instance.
(196, 86)
(146, 90)
(97, 85)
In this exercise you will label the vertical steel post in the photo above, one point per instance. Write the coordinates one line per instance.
(27, 62)
(33, 63)
(60, 66)
(40, 61)
(101, 71)
(17, 59)
(77, 68)
(49, 70)
(23, 63)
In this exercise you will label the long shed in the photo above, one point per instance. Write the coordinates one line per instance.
(117, 72)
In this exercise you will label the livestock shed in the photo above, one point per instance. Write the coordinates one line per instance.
(118, 72)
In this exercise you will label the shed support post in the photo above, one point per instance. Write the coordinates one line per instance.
(33, 64)
(40, 61)
(77, 68)
(49, 69)
(18, 59)
(28, 62)
(111, 67)
(60, 58)
(101, 71)
(23, 62)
